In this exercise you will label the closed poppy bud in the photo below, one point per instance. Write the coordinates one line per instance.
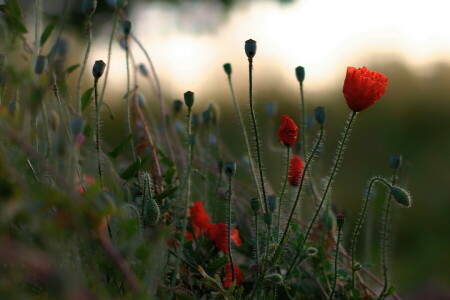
(363, 87)
(41, 64)
(189, 99)
(126, 27)
(395, 161)
(230, 169)
(300, 74)
(250, 48)
(98, 69)
(288, 131)
(340, 220)
(272, 203)
(227, 68)
(320, 114)
(401, 196)
(254, 204)
(88, 7)
(177, 105)
(275, 278)
(295, 170)
(143, 70)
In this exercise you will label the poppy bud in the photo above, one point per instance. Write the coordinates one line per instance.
(320, 114)
(98, 69)
(143, 70)
(300, 74)
(267, 217)
(250, 48)
(255, 205)
(311, 251)
(41, 63)
(227, 68)
(275, 278)
(177, 105)
(272, 203)
(62, 47)
(230, 168)
(141, 99)
(401, 196)
(189, 99)
(126, 27)
(395, 161)
(88, 7)
(340, 219)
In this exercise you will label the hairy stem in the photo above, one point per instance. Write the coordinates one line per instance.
(336, 255)
(282, 192)
(230, 256)
(97, 134)
(83, 65)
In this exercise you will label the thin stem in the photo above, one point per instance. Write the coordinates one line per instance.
(97, 133)
(127, 101)
(83, 65)
(246, 139)
(255, 132)
(282, 192)
(263, 274)
(337, 161)
(214, 210)
(384, 238)
(359, 224)
(229, 229)
(257, 243)
(336, 255)
(303, 123)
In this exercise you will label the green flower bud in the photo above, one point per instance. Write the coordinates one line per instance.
(320, 114)
(250, 48)
(401, 196)
(177, 105)
(189, 99)
(126, 27)
(98, 69)
(254, 204)
(227, 69)
(340, 219)
(143, 70)
(300, 74)
(275, 278)
(230, 168)
(151, 208)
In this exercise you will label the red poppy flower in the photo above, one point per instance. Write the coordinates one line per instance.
(199, 217)
(363, 87)
(288, 131)
(218, 234)
(295, 170)
(229, 275)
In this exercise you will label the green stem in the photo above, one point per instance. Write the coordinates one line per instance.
(260, 285)
(97, 133)
(337, 161)
(127, 101)
(303, 123)
(336, 255)
(230, 256)
(282, 192)
(214, 210)
(246, 139)
(359, 224)
(384, 239)
(257, 243)
(83, 65)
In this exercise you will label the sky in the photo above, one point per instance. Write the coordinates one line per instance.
(189, 44)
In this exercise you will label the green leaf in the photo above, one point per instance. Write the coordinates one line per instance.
(116, 151)
(87, 132)
(133, 169)
(391, 291)
(14, 9)
(16, 24)
(218, 263)
(47, 32)
(166, 193)
(86, 98)
(169, 175)
(71, 68)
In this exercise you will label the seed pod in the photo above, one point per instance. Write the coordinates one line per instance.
(88, 7)
(300, 74)
(98, 69)
(41, 64)
(272, 203)
(250, 48)
(401, 196)
(126, 27)
(189, 99)
(227, 68)
(230, 168)
(320, 114)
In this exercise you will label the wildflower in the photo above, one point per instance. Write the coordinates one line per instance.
(363, 87)
(287, 132)
(218, 234)
(295, 170)
(229, 275)
(199, 217)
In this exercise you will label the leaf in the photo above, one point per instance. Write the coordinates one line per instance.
(131, 170)
(169, 175)
(16, 24)
(166, 193)
(14, 9)
(391, 291)
(47, 32)
(86, 98)
(72, 68)
(116, 151)
(218, 263)
(87, 132)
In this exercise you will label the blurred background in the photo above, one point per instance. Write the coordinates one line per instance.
(409, 41)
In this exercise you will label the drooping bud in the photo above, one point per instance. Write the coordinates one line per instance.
(189, 99)
(41, 64)
(401, 196)
(98, 69)
(126, 27)
(300, 74)
(177, 105)
(320, 114)
(88, 7)
(340, 220)
(250, 48)
(272, 203)
(227, 68)
(267, 217)
(395, 161)
(230, 168)
(255, 205)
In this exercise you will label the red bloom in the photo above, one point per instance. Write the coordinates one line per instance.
(363, 87)
(288, 131)
(199, 217)
(218, 234)
(229, 275)
(295, 170)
